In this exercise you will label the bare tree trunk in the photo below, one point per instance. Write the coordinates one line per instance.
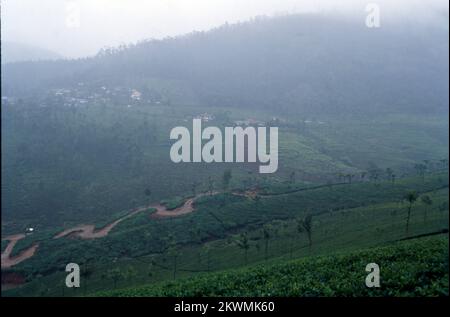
(407, 218)
(310, 241)
(266, 250)
(291, 248)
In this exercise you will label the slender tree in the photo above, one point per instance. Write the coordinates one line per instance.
(257, 199)
(428, 202)
(306, 225)
(226, 178)
(292, 177)
(85, 273)
(243, 243)
(207, 253)
(195, 234)
(151, 267)
(210, 185)
(148, 194)
(411, 198)
(267, 234)
(173, 253)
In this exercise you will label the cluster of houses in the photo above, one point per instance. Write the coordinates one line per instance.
(249, 122)
(82, 95)
(135, 95)
(205, 117)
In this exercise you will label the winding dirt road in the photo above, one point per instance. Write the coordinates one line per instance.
(7, 261)
(89, 232)
(188, 207)
(162, 212)
(86, 231)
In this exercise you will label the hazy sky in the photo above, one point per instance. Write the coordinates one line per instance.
(76, 28)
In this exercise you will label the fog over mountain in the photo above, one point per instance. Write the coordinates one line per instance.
(244, 148)
(77, 28)
(309, 63)
(17, 52)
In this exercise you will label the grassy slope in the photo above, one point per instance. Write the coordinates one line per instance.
(347, 229)
(95, 189)
(410, 268)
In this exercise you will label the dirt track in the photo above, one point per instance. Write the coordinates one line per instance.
(7, 261)
(162, 212)
(188, 207)
(88, 231)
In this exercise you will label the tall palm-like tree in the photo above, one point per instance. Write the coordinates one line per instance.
(306, 224)
(257, 199)
(148, 194)
(243, 244)
(267, 235)
(411, 198)
(172, 252)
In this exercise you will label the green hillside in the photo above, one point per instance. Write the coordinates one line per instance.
(345, 218)
(411, 268)
(362, 152)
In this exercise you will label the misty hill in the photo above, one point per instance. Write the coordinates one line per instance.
(299, 63)
(17, 52)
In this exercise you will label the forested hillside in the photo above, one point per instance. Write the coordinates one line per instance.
(301, 64)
